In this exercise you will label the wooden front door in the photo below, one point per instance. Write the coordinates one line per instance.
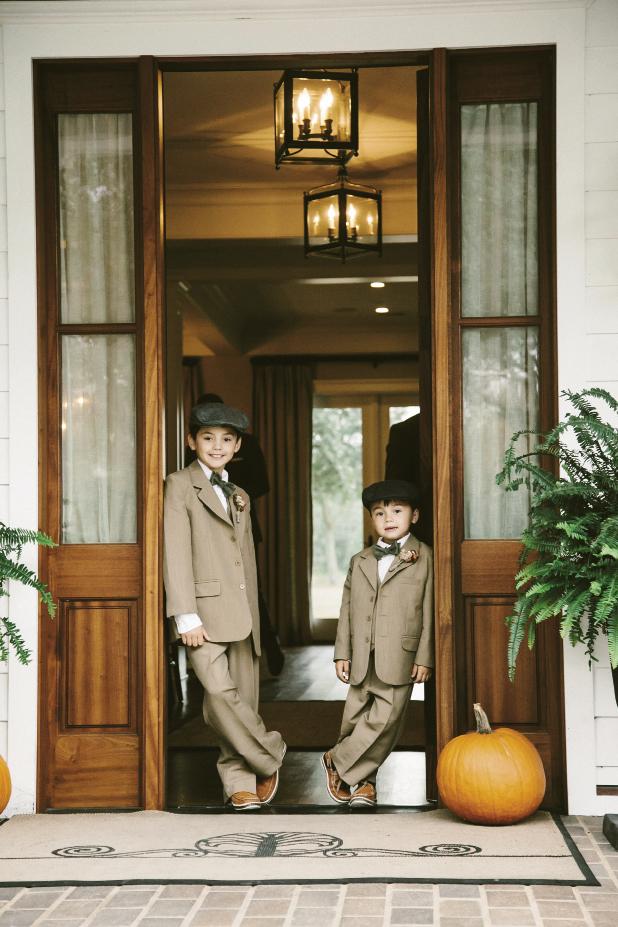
(494, 374)
(99, 214)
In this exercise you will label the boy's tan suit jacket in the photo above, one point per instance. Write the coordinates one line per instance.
(403, 604)
(209, 559)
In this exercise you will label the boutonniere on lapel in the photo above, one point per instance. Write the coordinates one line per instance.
(239, 504)
(408, 556)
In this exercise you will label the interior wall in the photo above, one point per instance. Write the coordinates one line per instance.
(232, 378)
(367, 370)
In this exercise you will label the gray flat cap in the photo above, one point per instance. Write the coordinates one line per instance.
(388, 490)
(217, 413)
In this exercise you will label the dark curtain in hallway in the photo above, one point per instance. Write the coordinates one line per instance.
(283, 401)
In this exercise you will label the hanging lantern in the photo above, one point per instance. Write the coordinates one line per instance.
(316, 117)
(343, 219)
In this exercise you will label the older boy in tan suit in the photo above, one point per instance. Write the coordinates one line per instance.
(211, 585)
(384, 641)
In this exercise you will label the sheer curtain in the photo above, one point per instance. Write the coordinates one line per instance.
(499, 278)
(500, 397)
(97, 274)
(283, 400)
(499, 252)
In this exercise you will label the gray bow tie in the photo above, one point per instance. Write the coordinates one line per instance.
(380, 551)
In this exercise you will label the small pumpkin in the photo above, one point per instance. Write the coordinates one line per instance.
(5, 785)
(491, 777)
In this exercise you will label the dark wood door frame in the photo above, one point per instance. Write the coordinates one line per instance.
(152, 668)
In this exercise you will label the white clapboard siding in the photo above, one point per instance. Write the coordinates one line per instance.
(601, 354)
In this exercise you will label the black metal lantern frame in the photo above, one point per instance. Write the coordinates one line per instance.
(343, 219)
(301, 139)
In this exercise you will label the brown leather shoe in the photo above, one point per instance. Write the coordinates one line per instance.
(364, 795)
(244, 801)
(338, 790)
(266, 787)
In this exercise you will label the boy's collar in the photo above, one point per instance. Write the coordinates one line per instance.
(209, 472)
(400, 541)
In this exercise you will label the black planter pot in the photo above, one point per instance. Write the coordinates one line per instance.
(615, 678)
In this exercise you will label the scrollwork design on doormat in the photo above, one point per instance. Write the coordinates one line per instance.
(267, 844)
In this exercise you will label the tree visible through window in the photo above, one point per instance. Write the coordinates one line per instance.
(337, 481)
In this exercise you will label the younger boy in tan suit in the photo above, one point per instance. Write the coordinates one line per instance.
(384, 641)
(211, 585)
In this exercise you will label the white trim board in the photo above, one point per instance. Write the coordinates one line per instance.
(164, 32)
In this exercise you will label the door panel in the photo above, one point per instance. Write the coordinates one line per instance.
(100, 413)
(501, 146)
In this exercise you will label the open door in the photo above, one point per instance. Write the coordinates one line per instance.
(99, 221)
(425, 381)
(501, 116)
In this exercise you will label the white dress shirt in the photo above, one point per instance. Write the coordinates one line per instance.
(191, 621)
(384, 563)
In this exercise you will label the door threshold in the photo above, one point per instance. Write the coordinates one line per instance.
(303, 809)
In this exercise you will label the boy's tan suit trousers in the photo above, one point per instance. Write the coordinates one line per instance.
(229, 674)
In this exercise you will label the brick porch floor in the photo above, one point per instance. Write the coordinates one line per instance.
(362, 905)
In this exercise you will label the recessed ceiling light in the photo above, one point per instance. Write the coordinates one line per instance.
(382, 310)
(377, 284)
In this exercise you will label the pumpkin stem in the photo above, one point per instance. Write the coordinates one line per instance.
(482, 722)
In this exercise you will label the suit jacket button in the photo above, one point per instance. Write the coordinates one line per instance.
(238, 563)
(366, 640)
(242, 585)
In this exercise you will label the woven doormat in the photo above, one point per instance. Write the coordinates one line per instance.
(161, 847)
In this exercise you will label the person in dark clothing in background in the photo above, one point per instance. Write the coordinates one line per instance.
(403, 462)
(248, 469)
(403, 451)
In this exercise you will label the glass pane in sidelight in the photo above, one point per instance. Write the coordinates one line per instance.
(500, 397)
(323, 220)
(499, 209)
(98, 439)
(97, 269)
(336, 485)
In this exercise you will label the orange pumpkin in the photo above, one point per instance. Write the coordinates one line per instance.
(5, 785)
(491, 777)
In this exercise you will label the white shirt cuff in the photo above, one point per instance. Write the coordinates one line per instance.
(188, 622)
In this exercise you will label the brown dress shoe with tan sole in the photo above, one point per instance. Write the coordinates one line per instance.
(266, 787)
(244, 801)
(364, 795)
(338, 790)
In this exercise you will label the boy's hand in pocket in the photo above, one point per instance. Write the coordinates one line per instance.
(420, 673)
(194, 638)
(342, 668)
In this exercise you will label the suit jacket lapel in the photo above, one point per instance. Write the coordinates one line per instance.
(398, 565)
(206, 492)
(369, 566)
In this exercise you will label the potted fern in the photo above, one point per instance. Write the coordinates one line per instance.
(569, 560)
(12, 541)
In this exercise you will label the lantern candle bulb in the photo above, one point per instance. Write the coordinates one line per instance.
(331, 222)
(326, 122)
(303, 103)
(352, 228)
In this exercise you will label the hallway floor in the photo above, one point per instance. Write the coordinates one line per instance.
(328, 905)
